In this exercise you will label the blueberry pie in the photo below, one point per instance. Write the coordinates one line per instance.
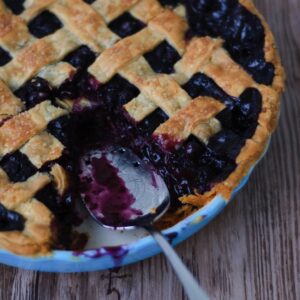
(190, 86)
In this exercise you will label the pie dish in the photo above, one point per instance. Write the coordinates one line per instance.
(192, 87)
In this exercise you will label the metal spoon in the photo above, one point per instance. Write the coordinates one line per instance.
(152, 200)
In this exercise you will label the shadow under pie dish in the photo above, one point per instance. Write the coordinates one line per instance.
(192, 87)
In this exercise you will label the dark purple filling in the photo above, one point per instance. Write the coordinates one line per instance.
(4, 57)
(34, 92)
(16, 6)
(242, 31)
(10, 220)
(202, 85)
(104, 191)
(193, 166)
(82, 57)
(17, 166)
(44, 24)
(126, 25)
(162, 58)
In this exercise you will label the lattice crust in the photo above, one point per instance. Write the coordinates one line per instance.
(85, 24)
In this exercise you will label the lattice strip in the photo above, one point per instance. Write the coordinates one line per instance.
(230, 76)
(38, 219)
(31, 59)
(112, 9)
(161, 89)
(172, 27)
(18, 130)
(34, 7)
(57, 73)
(10, 105)
(198, 53)
(42, 148)
(140, 107)
(81, 19)
(195, 118)
(13, 194)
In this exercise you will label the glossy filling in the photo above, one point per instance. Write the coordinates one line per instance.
(104, 191)
(193, 166)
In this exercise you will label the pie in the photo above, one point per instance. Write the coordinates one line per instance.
(191, 86)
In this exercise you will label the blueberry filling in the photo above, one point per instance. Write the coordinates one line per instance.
(10, 220)
(104, 191)
(18, 167)
(82, 57)
(242, 117)
(34, 92)
(44, 24)
(151, 122)
(126, 25)
(117, 92)
(16, 6)
(202, 85)
(4, 57)
(162, 58)
(242, 31)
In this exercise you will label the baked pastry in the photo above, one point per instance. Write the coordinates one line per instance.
(191, 86)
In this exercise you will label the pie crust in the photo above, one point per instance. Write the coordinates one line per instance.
(84, 24)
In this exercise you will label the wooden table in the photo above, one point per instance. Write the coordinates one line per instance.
(251, 251)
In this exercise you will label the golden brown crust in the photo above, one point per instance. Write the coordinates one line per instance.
(10, 105)
(113, 59)
(195, 118)
(85, 23)
(88, 24)
(42, 148)
(18, 130)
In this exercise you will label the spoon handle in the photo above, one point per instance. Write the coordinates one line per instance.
(190, 285)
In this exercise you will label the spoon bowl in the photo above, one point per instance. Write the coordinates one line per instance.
(142, 199)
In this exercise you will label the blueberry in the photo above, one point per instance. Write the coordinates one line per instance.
(49, 196)
(162, 58)
(151, 122)
(18, 167)
(82, 57)
(44, 24)
(61, 129)
(242, 31)
(117, 92)
(226, 144)
(126, 25)
(34, 92)
(4, 57)
(192, 149)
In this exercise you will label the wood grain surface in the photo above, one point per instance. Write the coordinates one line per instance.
(251, 251)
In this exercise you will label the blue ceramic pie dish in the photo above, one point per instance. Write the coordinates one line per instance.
(110, 257)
